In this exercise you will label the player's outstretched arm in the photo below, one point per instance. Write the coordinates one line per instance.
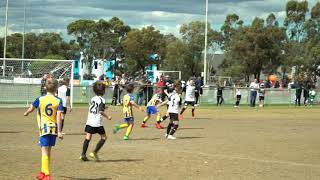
(69, 104)
(30, 110)
(59, 122)
(163, 103)
(137, 106)
(105, 115)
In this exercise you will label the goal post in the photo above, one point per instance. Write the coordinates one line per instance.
(20, 79)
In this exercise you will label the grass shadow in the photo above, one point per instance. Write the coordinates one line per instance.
(75, 134)
(191, 137)
(76, 178)
(121, 160)
(144, 139)
(189, 128)
(10, 132)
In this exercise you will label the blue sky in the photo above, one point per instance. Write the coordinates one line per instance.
(165, 15)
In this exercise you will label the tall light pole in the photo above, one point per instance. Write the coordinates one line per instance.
(5, 42)
(205, 47)
(24, 31)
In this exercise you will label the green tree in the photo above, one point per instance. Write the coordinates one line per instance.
(139, 45)
(255, 49)
(101, 40)
(179, 58)
(193, 34)
(229, 28)
(311, 57)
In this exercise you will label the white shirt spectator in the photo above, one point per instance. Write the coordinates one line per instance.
(254, 86)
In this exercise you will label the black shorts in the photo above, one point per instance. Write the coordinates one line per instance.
(238, 96)
(174, 116)
(261, 98)
(64, 110)
(94, 130)
(186, 103)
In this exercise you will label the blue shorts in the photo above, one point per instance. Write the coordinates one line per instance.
(128, 120)
(47, 140)
(152, 110)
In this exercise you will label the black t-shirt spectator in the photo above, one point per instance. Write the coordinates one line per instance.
(219, 91)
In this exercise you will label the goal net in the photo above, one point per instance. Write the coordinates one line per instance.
(154, 75)
(20, 79)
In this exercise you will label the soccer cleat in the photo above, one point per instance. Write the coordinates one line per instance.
(125, 137)
(143, 125)
(40, 175)
(84, 158)
(171, 137)
(94, 156)
(47, 177)
(166, 135)
(158, 126)
(115, 129)
(180, 116)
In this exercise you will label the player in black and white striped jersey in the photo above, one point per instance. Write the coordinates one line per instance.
(95, 121)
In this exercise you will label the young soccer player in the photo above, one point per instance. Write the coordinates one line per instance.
(49, 108)
(262, 92)
(189, 98)
(152, 109)
(64, 94)
(94, 122)
(128, 102)
(173, 110)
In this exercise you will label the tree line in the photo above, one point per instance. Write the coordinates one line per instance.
(263, 46)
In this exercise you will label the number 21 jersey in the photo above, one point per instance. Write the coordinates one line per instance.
(97, 105)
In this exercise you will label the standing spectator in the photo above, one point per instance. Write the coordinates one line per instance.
(122, 85)
(254, 86)
(238, 94)
(115, 85)
(139, 96)
(44, 79)
(219, 95)
(148, 92)
(199, 90)
(43, 91)
(306, 89)
(298, 94)
(261, 95)
(312, 95)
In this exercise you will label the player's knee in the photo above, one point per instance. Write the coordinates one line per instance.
(88, 136)
(176, 126)
(103, 137)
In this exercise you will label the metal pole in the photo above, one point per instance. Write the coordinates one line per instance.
(71, 84)
(24, 30)
(5, 41)
(205, 47)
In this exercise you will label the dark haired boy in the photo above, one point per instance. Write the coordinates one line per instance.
(94, 122)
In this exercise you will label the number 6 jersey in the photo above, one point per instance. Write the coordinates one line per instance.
(47, 108)
(97, 105)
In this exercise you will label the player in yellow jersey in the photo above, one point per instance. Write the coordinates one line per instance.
(49, 108)
(128, 103)
(153, 109)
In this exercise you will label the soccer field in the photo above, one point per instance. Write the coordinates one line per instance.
(220, 143)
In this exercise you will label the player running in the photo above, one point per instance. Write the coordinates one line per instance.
(152, 109)
(189, 98)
